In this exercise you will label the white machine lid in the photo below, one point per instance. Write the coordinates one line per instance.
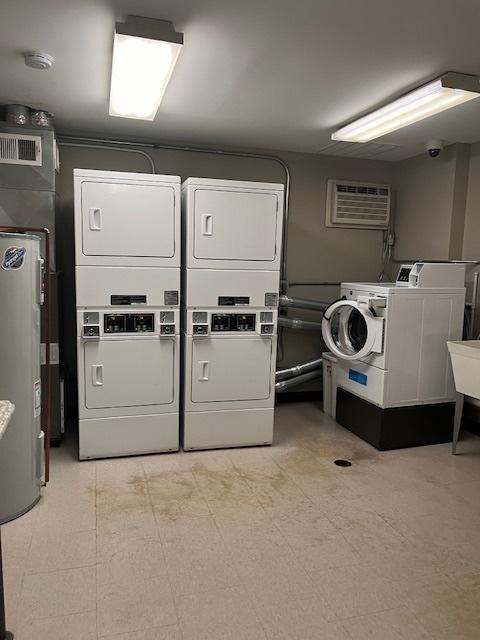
(390, 288)
(124, 175)
(233, 184)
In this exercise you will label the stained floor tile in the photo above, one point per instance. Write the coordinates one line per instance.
(264, 543)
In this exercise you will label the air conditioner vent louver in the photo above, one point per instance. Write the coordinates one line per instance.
(357, 205)
(20, 149)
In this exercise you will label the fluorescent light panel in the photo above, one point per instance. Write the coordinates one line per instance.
(141, 70)
(432, 98)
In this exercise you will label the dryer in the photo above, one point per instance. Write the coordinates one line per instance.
(127, 251)
(231, 275)
(395, 385)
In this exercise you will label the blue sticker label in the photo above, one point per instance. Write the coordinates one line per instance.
(356, 376)
(14, 257)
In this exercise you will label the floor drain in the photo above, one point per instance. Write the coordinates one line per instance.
(343, 463)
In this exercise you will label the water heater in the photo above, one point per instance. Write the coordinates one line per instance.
(21, 451)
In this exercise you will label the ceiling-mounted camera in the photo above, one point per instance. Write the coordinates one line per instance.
(434, 147)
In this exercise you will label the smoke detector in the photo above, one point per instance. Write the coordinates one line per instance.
(38, 60)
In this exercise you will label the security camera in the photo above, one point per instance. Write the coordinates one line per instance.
(434, 148)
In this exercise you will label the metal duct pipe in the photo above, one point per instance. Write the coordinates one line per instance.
(298, 369)
(297, 323)
(282, 385)
(302, 303)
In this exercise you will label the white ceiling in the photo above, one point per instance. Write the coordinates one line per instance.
(274, 74)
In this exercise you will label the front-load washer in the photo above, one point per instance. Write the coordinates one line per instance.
(394, 379)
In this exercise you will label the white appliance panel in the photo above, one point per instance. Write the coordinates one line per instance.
(406, 323)
(128, 435)
(231, 369)
(127, 219)
(205, 286)
(436, 378)
(363, 380)
(229, 428)
(128, 373)
(96, 285)
(234, 225)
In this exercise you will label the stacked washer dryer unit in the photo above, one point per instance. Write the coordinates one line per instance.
(395, 384)
(231, 274)
(127, 250)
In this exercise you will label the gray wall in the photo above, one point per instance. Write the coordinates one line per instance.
(438, 208)
(315, 252)
(430, 210)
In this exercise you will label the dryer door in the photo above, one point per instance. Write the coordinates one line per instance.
(352, 330)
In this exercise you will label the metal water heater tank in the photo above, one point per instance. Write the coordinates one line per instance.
(21, 453)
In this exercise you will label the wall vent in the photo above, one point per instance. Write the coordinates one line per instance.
(359, 205)
(20, 149)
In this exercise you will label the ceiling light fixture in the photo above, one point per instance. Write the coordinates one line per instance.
(144, 54)
(443, 93)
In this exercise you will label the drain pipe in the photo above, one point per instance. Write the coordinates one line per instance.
(297, 323)
(298, 369)
(302, 303)
(282, 385)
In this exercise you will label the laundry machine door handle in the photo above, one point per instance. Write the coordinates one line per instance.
(97, 375)
(95, 219)
(207, 224)
(203, 370)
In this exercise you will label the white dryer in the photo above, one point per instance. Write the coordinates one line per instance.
(231, 271)
(395, 385)
(127, 253)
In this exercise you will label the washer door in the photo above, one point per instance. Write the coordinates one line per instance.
(351, 330)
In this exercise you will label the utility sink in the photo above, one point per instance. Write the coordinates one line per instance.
(465, 357)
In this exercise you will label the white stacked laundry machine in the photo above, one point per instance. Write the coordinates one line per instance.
(232, 241)
(127, 254)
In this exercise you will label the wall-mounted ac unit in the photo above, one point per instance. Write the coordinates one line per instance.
(358, 205)
(20, 149)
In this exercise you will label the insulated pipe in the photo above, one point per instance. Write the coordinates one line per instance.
(99, 143)
(282, 385)
(46, 233)
(297, 323)
(302, 303)
(298, 369)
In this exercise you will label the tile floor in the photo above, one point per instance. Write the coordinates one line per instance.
(267, 543)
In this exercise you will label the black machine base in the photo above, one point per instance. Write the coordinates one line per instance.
(397, 427)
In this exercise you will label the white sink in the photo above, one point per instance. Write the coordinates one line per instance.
(465, 357)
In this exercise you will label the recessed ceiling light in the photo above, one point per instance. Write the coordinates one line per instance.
(144, 55)
(447, 91)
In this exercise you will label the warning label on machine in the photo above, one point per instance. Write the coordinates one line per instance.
(14, 257)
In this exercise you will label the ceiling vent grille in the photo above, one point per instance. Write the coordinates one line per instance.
(359, 205)
(20, 149)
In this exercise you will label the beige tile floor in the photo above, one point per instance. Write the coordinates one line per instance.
(246, 544)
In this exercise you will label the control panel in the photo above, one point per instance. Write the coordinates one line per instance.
(167, 323)
(437, 275)
(233, 322)
(96, 324)
(129, 323)
(404, 275)
(205, 323)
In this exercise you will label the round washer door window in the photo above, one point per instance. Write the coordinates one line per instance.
(349, 332)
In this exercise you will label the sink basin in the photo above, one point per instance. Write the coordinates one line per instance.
(465, 357)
